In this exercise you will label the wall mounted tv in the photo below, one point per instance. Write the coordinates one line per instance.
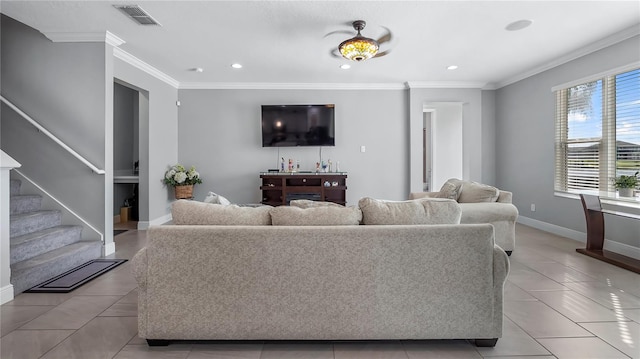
(298, 125)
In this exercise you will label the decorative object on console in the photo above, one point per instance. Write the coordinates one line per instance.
(626, 184)
(182, 180)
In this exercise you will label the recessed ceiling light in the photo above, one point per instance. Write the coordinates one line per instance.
(236, 66)
(518, 25)
(345, 66)
(452, 67)
(198, 69)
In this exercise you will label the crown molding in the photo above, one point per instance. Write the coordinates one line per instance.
(445, 84)
(137, 63)
(106, 37)
(593, 47)
(289, 86)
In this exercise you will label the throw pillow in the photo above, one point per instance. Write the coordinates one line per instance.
(216, 198)
(419, 211)
(199, 213)
(474, 192)
(315, 216)
(451, 189)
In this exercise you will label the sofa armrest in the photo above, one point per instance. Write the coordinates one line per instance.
(505, 197)
(140, 267)
(418, 195)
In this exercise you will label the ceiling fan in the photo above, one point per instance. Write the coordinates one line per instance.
(360, 48)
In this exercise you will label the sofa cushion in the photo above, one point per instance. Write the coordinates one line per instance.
(199, 213)
(323, 215)
(419, 211)
(305, 203)
(474, 192)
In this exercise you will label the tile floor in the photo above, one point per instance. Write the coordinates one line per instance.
(558, 304)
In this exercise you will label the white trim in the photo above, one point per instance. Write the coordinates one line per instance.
(109, 248)
(52, 136)
(6, 294)
(446, 84)
(136, 62)
(593, 47)
(144, 225)
(552, 228)
(616, 247)
(289, 86)
(61, 204)
(106, 37)
(618, 70)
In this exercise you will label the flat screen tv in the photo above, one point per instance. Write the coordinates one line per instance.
(298, 125)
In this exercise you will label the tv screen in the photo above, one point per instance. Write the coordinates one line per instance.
(298, 125)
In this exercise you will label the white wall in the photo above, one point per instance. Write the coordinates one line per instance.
(473, 158)
(446, 121)
(220, 134)
(525, 142)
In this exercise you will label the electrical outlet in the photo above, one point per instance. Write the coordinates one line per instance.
(363, 149)
(533, 207)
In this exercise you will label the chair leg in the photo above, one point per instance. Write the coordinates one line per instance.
(486, 342)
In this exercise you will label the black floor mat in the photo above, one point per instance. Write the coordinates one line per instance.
(70, 280)
(118, 231)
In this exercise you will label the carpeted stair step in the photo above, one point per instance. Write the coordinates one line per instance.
(33, 244)
(14, 187)
(25, 203)
(25, 223)
(36, 270)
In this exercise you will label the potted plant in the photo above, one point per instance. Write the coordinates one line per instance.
(626, 184)
(182, 180)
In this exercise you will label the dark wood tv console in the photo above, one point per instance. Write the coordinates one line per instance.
(281, 187)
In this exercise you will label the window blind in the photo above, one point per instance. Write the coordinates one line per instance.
(597, 132)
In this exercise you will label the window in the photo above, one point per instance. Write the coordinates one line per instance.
(597, 132)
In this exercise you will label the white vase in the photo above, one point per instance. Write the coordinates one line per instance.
(625, 192)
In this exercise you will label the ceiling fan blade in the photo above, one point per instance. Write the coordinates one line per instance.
(336, 53)
(383, 53)
(386, 37)
(340, 32)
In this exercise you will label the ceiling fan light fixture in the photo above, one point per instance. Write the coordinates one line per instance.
(359, 48)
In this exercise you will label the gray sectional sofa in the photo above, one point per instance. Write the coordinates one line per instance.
(481, 203)
(250, 280)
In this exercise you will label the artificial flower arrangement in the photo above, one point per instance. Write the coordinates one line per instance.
(178, 176)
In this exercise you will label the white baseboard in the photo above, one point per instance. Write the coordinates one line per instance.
(109, 248)
(616, 247)
(142, 225)
(6, 294)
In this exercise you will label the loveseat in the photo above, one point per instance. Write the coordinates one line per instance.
(248, 279)
(481, 203)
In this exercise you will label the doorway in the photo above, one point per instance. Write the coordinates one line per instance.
(442, 143)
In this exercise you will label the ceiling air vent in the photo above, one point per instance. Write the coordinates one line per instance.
(138, 15)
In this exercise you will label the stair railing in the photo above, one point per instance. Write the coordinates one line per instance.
(52, 136)
(61, 204)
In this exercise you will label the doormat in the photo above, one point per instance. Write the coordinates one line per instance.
(70, 280)
(118, 231)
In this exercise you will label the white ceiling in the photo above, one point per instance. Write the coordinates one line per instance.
(284, 42)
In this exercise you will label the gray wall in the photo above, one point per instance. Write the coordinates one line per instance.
(525, 142)
(62, 86)
(158, 142)
(124, 143)
(220, 134)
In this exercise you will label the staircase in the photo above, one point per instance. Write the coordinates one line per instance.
(41, 247)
